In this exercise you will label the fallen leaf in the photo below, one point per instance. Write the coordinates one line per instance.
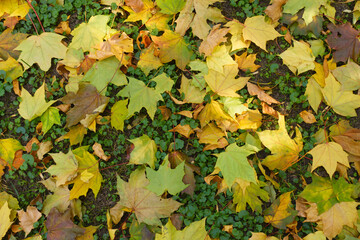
(44, 148)
(119, 114)
(348, 75)
(246, 62)
(28, 218)
(170, 6)
(280, 213)
(5, 219)
(144, 151)
(50, 117)
(8, 43)
(8, 148)
(63, 27)
(274, 11)
(215, 37)
(86, 101)
(237, 39)
(41, 49)
(196, 230)
(99, 152)
(60, 226)
(148, 60)
(261, 236)
(65, 169)
(258, 31)
(344, 40)
(308, 117)
(266, 109)
(285, 151)
(348, 144)
(89, 34)
(251, 194)
(255, 90)
(144, 14)
(184, 130)
(32, 107)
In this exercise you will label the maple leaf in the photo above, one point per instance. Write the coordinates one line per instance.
(299, 58)
(14, 8)
(344, 40)
(219, 58)
(173, 47)
(237, 39)
(119, 114)
(233, 164)
(311, 8)
(87, 164)
(158, 21)
(50, 117)
(215, 37)
(28, 218)
(8, 42)
(246, 63)
(144, 151)
(86, 101)
(144, 14)
(280, 213)
(116, 45)
(192, 93)
(224, 83)
(135, 198)
(88, 35)
(60, 226)
(213, 136)
(142, 96)
(166, 179)
(75, 135)
(258, 31)
(348, 143)
(348, 75)
(340, 215)
(196, 230)
(65, 169)
(326, 193)
(329, 155)
(59, 200)
(250, 195)
(8, 148)
(41, 49)
(184, 130)
(33, 107)
(97, 77)
(318, 235)
(5, 222)
(212, 111)
(12, 68)
(343, 102)
(170, 6)
(148, 61)
(284, 150)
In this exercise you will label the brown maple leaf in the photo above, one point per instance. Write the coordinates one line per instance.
(344, 40)
(60, 226)
(8, 42)
(86, 101)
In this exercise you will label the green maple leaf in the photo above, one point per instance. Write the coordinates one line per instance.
(142, 96)
(170, 6)
(173, 47)
(326, 193)
(166, 179)
(50, 117)
(251, 196)
(40, 49)
(196, 230)
(144, 151)
(103, 72)
(233, 164)
(87, 35)
(33, 107)
(119, 113)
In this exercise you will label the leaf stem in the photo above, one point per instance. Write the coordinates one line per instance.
(42, 27)
(37, 33)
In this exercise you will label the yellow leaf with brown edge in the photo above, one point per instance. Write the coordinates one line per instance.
(340, 215)
(280, 213)
(274, 11)
(285, 150)
(215, 37)
(8, 148)
(246, 62)
(329, 155)
(144, 14)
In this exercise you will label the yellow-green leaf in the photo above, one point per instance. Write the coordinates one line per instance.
(119, 113)
(8, 147)
(144, 151)
(65, 169)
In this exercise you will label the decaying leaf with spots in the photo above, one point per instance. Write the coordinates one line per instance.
(8, 42)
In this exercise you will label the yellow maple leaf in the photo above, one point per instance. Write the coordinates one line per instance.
(258, 31)
(14, 8)
(144, 14)
(299, 58)
(284, 150)
(212, 111)
(261, 236)
(5, 221)
(329, 155)
(237, 39)
(339, 215)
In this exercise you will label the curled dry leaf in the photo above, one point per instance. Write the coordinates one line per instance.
(308, 117)
(28, 218)
(98, 151)
(255, 90)
(274, 11)
(266, 109)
